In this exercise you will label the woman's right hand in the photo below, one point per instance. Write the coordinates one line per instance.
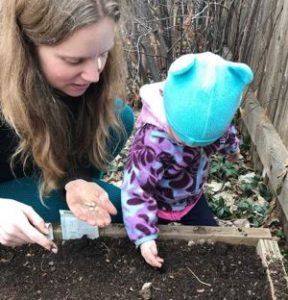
(20, 224)
(89, 202)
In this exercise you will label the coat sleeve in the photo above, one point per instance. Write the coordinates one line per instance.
(142, 172)
(229, 143)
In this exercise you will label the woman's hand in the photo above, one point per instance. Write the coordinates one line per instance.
(20, 224)
(149, 252)
(89, 202)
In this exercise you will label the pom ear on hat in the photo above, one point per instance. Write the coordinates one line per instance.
(201, 95)
(182, 64)
(242, 71)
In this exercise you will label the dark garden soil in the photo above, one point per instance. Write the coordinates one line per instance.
(113, 269)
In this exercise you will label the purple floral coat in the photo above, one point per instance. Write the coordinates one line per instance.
(161, 174)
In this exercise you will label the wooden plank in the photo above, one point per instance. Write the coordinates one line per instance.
(271, 150)
(281, 81)
(230, 235)
(271, 257)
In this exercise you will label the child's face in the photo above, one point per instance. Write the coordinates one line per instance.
(174, 136)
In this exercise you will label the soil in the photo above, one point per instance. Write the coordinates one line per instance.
(279, 281)
(109, 268)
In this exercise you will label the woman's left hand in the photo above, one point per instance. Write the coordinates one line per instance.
(89, 202)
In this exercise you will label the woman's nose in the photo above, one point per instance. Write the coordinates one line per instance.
(92, 70)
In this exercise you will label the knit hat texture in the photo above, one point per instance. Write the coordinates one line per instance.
(202, 93)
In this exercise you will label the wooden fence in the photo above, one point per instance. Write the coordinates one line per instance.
(258, 36)
(158, 31)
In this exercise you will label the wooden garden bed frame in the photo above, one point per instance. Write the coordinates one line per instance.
(266, 247)
(271, 150)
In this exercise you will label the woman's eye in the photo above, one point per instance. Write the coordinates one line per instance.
(73, 61)
(104, 55)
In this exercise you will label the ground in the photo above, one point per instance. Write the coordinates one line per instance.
(113, 269)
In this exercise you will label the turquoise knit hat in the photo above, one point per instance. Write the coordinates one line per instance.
(202, 93)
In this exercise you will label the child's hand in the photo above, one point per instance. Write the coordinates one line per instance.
(233, 157)
(150, 254)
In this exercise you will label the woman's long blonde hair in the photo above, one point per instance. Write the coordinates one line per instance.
(33, 109)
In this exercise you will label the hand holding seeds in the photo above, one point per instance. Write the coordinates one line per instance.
(89, 202)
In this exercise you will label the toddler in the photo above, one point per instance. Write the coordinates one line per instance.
(184, 120)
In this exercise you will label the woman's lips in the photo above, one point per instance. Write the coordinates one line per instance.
(79, 87)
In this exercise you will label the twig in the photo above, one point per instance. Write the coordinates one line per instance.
(202, 282)
(107, 248)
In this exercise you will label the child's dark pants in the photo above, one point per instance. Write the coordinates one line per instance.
(199, 215)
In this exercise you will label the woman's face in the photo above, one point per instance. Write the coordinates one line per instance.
(74, 64)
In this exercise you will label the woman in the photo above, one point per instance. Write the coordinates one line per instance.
(61, 119)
